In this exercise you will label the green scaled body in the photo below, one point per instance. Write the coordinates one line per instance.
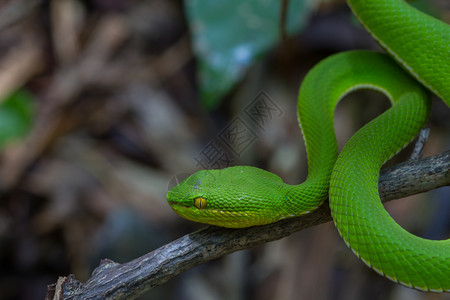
(421, 45)
(246, 196)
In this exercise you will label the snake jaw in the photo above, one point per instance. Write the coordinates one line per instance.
(211, 215)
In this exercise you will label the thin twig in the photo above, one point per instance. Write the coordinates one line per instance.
(125, 281)
(418, 147)
(283, 20)
(285, 42)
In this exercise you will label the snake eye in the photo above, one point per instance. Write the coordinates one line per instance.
(200, 202)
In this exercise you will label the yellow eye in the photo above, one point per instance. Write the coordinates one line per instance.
(200, 202)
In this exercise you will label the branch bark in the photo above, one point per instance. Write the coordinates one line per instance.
(111, 280)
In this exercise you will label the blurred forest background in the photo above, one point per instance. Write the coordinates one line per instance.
(105, 103)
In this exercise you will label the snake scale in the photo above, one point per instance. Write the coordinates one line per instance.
(417, 61)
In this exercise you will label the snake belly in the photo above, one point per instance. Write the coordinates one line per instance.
(243, 196)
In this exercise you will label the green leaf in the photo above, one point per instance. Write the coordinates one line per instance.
(228, 36)
(16, 114)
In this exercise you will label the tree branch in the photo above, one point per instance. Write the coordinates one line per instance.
(119, 281)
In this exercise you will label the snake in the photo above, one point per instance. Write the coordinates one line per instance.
(415, 63)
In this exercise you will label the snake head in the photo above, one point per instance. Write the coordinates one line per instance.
(234, 197)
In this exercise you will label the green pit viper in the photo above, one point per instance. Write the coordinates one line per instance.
(243, 196)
